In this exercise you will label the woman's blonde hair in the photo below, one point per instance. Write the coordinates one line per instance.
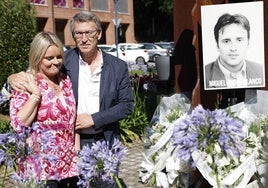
(41, 42)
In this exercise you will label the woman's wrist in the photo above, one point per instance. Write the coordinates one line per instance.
(36, 93)
(35, 97)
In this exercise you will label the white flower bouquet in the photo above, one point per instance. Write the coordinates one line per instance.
(160, 166)
(227, 146)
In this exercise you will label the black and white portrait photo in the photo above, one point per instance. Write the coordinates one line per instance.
(233, 45)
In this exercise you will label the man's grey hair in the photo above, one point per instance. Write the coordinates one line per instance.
(85, 16)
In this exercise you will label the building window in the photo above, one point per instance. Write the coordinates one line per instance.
(60, 3)
(38, 1)
(122, 6)
(99, 5)
(78, 3)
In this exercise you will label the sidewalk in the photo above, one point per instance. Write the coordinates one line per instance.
(130, 167)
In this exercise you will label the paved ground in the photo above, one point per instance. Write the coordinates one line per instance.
(130, 167)
(7, 184)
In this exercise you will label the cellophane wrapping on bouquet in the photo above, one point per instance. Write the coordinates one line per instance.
(250, 168)
(160, 166)
(227, 146)
(257, 103)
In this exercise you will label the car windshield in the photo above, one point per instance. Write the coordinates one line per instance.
(166, 46)
(107, 48)
(134, 47)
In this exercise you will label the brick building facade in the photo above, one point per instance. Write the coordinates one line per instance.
(55, 15)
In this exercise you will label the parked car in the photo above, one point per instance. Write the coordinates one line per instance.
(65, 48)
(167, 45)
(135, 53)
(111, 49)
(155, 50)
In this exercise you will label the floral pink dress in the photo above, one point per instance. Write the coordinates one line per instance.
(51, 154)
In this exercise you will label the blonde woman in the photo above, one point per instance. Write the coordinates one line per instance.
(47, 108)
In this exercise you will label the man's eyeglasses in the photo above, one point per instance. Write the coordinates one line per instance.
(88, 34)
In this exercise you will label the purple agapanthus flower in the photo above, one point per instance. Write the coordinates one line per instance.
(15, 151)
(203, 128)
(8, 143)
(99, 161)
(3, 156)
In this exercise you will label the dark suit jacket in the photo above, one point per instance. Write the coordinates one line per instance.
(116, 99)
(253, 71)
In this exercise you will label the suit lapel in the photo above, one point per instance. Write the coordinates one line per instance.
(104, 82)
(72, 67)
(217, 74)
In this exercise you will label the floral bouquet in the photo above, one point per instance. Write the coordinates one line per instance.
(220, 144)
(98, 165)
(8, 153)
(14, 151)
(160, 165)
(258, 105)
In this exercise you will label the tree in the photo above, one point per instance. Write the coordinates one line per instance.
(153, 20)
(17, 27)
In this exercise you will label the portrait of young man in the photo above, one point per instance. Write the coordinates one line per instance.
(234, 64)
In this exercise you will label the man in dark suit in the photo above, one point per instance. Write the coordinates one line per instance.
(101, 82)
(231, 70)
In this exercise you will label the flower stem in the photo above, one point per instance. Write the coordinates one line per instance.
(215, 169)
(218, 180)
(4, 178)
(118, 183)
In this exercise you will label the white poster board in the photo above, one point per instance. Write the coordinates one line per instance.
(218, 73)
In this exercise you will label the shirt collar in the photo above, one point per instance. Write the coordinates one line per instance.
(82, 62)
(229, 74)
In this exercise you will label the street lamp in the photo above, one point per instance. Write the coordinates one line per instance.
(116, 23)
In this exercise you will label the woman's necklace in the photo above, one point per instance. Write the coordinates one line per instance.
(55, 86)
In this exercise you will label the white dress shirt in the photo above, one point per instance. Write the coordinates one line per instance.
(88, 91)
(236, 79)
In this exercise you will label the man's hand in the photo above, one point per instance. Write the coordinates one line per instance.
(83, 121)
(31, 86)
(19, 81)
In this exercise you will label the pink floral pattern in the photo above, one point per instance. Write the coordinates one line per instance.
(56, 116)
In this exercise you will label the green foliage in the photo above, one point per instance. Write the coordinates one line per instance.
(4, 108)
(136, 72)
(164, 6)
(132, 127)
(17, 28)
(4, 125)
(155, 19)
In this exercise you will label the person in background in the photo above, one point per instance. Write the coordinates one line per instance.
(231, 69)
(47, 107)
(185, 64)
(101, 83)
